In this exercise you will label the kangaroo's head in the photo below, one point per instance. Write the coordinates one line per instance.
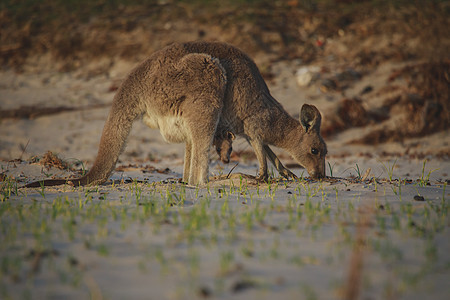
(223, 143)
(311, 151)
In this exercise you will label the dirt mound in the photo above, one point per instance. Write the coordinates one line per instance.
(74, 33)
(51, 160)
(423, 108)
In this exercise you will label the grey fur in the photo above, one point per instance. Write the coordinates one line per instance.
(186, 90)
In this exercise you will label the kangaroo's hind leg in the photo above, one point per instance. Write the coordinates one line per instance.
(201, 133)
(203, 81)
(187, 161)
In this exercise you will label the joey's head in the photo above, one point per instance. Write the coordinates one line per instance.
(223, 143)
(311, 151)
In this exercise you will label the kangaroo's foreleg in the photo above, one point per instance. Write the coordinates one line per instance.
(282, 170)
(258, 147)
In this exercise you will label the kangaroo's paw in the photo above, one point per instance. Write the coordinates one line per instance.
(288, 174)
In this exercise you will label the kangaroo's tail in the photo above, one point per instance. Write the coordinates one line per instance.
(126, 108)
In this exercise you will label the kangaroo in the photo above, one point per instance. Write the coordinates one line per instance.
(223, 142)
(187, 91)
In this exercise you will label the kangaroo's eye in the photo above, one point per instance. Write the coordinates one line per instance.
(314, 151)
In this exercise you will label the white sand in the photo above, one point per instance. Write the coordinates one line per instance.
(117, 251)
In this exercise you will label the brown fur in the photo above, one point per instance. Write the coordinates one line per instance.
(187, 91)
(223, 142)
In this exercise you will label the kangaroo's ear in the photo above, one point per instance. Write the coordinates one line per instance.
(310, 118)
(230, 135)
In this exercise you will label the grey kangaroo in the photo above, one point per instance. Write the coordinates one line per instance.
(187, 91)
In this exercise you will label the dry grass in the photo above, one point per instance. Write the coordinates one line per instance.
(51, 160)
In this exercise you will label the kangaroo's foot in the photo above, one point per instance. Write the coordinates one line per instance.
(262, 177)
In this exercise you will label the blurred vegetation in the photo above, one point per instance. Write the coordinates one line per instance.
(79, 30)
(41, 12)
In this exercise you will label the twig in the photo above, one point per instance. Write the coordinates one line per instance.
(228, 175)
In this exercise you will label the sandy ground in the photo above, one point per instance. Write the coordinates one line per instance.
(144, 236)
(233, 240)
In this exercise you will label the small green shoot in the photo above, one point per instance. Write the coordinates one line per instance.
(358, 172)
(424, 180)
(390, 170)
(331, 167)
(8, 187)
